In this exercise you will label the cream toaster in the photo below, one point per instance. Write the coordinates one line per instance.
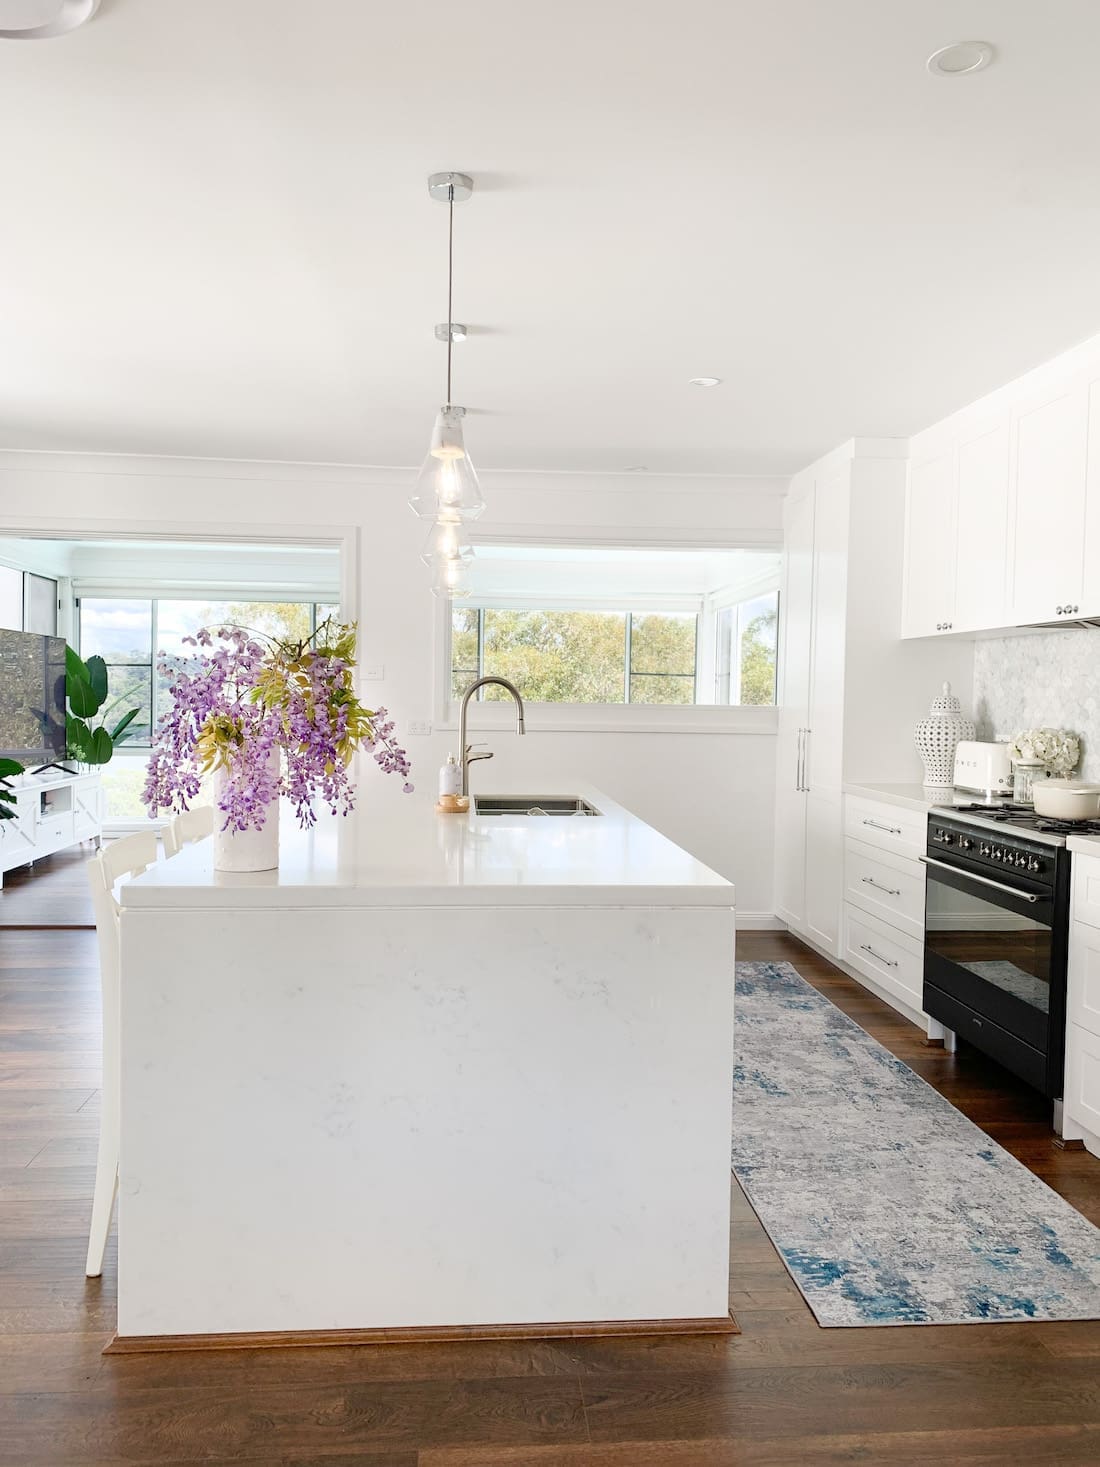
(984, 768)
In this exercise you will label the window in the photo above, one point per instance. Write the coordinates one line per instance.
(127, 633)
(747, 636)
(592, 625)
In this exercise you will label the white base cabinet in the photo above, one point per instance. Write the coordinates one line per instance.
(884, 901)
(1081, 1100)
(52, 812)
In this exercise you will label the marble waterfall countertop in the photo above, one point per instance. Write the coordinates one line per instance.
(395, 850)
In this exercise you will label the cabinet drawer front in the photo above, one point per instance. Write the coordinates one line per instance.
(54, 831)
(887, 826)
(1083, 998)
(895, 962)
(887, 886)
(1082, 1088)
(1086, 889)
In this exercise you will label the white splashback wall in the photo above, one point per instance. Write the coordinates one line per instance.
(1041, 678)
(713, 794)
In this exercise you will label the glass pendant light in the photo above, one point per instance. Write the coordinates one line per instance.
(447, 482)
(447, 551)
(446, 541)
(447, 479)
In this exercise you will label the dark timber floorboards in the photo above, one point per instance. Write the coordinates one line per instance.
(51, 893)
(783, 1392)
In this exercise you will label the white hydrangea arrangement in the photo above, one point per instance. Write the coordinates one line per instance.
(1057, 748)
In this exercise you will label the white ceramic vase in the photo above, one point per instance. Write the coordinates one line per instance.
(939, 735)
(246, 850)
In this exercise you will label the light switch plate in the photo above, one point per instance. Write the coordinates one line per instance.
(418, 729)
(373, 673)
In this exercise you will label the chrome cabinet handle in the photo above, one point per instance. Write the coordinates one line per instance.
(1024, 896)
(877, 825)
(805, 751)
(800, 772)
(866, 948)
(889, 890)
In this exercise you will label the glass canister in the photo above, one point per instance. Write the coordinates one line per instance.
(1024, 774)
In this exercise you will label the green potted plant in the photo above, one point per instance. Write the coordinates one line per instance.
(8, 767)
(86, 689)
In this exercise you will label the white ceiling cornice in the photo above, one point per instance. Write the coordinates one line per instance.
(535, 481)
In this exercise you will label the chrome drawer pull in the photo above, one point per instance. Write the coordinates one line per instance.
(1024, 896)
(890, 829)
(889, 890)
(877, 956)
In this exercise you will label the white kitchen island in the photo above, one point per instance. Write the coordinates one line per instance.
(437, 1075)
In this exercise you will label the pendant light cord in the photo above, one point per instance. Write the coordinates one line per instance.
(450, 281)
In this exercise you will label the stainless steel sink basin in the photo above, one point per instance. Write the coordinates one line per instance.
(533, 805)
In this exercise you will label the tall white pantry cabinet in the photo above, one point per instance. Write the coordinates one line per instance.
(850, 691)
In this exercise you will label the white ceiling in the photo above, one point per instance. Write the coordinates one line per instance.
(217, 238)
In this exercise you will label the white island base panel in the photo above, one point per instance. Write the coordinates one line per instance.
(366, 1119)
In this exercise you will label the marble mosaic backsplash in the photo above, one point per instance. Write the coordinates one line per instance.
(1041, 678)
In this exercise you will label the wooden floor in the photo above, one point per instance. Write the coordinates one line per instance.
(52, 893)
(783, 1392)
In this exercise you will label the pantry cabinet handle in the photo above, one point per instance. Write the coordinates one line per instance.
(866, 948)
(889, 890)
(877, 825)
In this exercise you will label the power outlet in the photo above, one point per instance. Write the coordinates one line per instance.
(418, 729)
(374, 673)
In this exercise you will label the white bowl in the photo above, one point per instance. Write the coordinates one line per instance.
(1062, 799)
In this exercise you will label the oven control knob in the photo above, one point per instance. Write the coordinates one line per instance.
(965, 843)
(1021, 859)
(997, 853)
(985, 848)
(1034, 864)
(946, 837)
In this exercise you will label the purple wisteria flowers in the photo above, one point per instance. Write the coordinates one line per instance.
(281, 718)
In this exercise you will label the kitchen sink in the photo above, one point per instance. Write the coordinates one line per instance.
(533, 805)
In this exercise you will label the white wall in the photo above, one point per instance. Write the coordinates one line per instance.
(713, 793)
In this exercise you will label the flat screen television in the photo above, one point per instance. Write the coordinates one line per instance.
(32, 698)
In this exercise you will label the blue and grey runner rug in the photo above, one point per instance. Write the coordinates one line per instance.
(885, 1203)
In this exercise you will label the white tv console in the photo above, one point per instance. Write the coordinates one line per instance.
(53, 810)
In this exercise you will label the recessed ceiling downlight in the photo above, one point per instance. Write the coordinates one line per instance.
(962, 58)
(39, 20)
(704, 381)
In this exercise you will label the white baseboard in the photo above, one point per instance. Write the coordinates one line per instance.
(760, 922)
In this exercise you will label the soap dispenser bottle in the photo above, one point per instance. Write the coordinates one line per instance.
(450, 777)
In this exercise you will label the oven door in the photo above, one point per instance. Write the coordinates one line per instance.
(990, 960)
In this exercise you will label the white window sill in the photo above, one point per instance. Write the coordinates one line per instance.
(614, 718)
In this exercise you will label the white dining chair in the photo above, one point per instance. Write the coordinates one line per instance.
(129, 856)
(192, 825)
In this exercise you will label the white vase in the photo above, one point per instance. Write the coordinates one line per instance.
(246, 850)
(939, 735)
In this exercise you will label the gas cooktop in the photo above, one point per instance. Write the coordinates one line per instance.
(1021, 818)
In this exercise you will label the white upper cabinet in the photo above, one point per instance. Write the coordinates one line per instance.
(930, 545)
(1049, 498)
(1090, 586)
(1003, 510)
(981, 527)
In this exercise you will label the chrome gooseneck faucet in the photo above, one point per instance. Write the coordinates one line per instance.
(468, 757)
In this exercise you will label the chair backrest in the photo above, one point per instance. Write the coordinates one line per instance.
(192, 825)
(129, 856)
